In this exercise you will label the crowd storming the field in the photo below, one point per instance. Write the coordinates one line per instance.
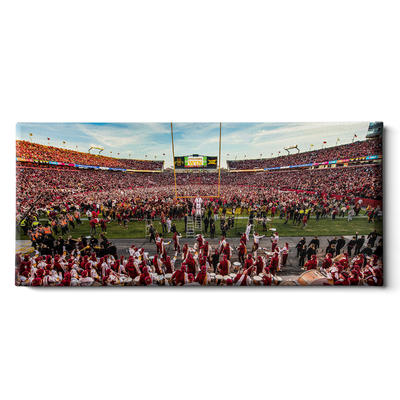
(51, 201)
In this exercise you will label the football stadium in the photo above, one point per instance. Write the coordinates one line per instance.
(199, 216)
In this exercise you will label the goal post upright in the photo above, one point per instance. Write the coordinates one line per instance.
(219, 160)
(173, 159)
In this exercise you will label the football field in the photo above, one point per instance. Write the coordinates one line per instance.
(325, 227)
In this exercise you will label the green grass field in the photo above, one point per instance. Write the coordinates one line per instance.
(325, 227)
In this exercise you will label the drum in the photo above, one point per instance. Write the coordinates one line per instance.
(226, 277)
(257, 280)
(218, 279)
(277, 280)
(312, 278)
(212, 278)
(136, 281)
(168, 277)
(261, 274)
(161, 280)
(151, 259)
(146, 254)
(128, 282)
(233, 276)
(237, 266)
(289, 283)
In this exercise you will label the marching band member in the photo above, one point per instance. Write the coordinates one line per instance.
(267, 277)
(200, 241)
(176, 238)
(227, 251)
(248, 264)
(327, 263)
(145, 274)
(206, 251)
(284, 253)
(185, 251)
(24, 279)
(224, 266)
(157, 265)
(203, 277)
(259, 264)
(222, 244)
(243, 239)
(274, 240)
(179, 277)
(158, 243)
(312, 264)
(274, 263)
(131, 269)
(256, 240)
(163, 250)
(248, 229)
(242, 251)
(85, 279)
(191, 281)
(243, 279)
(169, 265)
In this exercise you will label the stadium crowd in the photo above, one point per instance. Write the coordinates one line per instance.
(34, 151)
(351, 150)
(71, 186)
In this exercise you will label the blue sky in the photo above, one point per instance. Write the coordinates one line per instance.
(154, 139)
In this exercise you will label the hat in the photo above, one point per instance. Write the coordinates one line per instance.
(190, 277)
(84, 274)
(203, 268)
(147, 280)
(229, 282)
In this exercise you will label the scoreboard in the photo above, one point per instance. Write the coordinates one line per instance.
(196, 161)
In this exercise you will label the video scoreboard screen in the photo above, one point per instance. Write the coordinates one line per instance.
(196, 161)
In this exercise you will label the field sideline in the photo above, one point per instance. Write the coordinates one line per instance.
(325, 227)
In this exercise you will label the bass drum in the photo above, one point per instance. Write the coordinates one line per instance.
(288, 283)
(312, 278)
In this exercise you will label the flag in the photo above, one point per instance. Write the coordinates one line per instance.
(163, 154)
(338, 139)
(77, 147)
(355, 135)
(324, 142)
(312, 145)
(227, 154)
(260, 154)
(64, 142)
(48, 138)
(110, 152)
(31, 134)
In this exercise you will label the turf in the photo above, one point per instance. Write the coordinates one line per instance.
(325, 227)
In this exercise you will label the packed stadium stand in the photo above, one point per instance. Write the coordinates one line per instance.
(32, 151)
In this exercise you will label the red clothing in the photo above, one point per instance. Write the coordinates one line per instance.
(143, 276)
(259, 265)
(237, 278)
(178, 278)
(191, 266)
(168, 267)
(131, 270)
(312, 264)
(274, 264)
(223, 267)
(200, 278)
(267, 281)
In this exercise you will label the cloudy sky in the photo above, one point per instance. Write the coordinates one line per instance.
(241, 140)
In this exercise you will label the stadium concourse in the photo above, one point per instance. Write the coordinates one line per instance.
(65, 186)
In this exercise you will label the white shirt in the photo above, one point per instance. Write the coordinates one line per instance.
(257, 238)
